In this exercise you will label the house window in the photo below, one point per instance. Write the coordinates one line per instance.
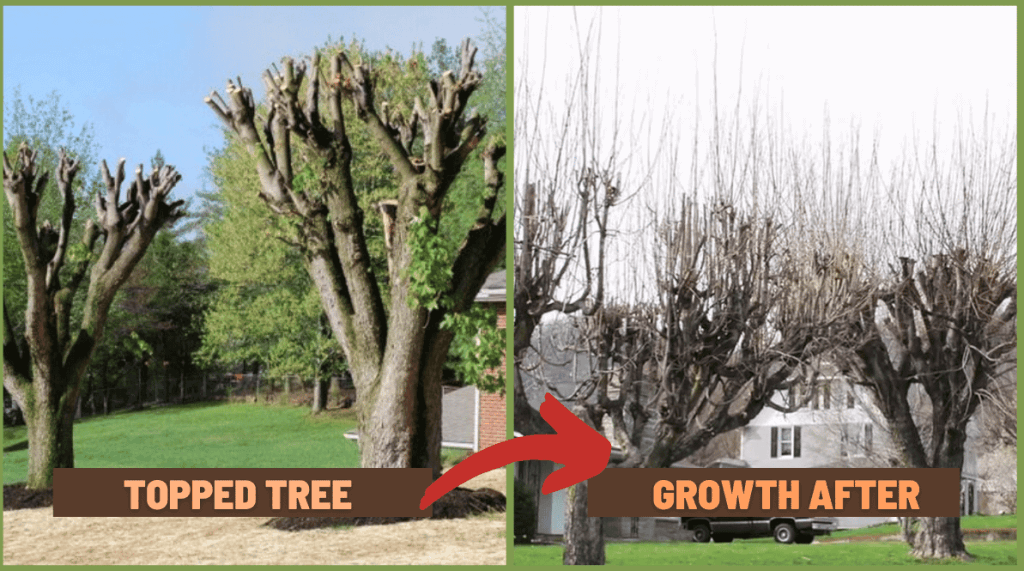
(855, 440)
(785, 442)
(849, 399)
(821, 396)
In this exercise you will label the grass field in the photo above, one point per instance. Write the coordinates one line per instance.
(764, 551)
(751, 553)
(966, 522)
(202, 435)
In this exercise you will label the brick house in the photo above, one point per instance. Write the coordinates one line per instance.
(474, 419)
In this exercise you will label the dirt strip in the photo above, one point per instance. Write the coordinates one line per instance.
(34, 536)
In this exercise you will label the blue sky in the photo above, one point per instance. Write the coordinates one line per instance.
(139, 74)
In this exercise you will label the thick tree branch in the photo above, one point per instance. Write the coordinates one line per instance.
(66, 171)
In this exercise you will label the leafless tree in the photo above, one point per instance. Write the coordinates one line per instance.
(569, 177)
(735, 320)
(43, 368)
(942, 316)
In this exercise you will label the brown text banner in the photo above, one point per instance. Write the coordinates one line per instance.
(725, 492)
(248, 492)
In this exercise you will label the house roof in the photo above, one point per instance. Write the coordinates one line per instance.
(493, 290)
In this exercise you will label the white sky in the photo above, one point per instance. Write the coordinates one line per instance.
(890, 72)
(889, 68)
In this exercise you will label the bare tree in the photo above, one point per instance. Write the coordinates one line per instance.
(43, 369)
(942, 316)
(735, 320)
(715, 306)
(568, 177)
(395, 358)
(944, 327)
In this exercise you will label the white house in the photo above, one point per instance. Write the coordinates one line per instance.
(838, 426)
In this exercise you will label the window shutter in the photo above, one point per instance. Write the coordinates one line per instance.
(775, 441)
(796, 442)
(867, 437)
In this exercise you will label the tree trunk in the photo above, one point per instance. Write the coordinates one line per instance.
(907, 529)
(167, 382)
(181, 384)
(584, 536)
(335, 392)
(939, 538)
(143, 384)
(104, 390)
(400, 410)
(256, 379)
(51, 441)
(319, 395)
(401, 424)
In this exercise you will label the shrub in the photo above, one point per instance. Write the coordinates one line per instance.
(525, 514)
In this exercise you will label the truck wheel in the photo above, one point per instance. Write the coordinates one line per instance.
(805, 538)
(722, 538)
(701, 533)
(785, 533)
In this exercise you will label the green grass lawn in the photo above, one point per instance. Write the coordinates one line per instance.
(202, 435)
(751, 553)
(966, 522)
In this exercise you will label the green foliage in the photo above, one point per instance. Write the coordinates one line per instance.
(525, 516)
(266, 309)
(253, 252)
(161, 304)
(430, 271)
(46, 125)
(478, 346)
(137, 346)
(491, 94)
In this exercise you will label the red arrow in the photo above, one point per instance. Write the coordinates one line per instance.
(582, 449)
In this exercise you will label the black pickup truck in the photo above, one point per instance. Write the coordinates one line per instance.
(783, 529)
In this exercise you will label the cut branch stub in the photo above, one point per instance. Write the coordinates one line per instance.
(145, 205)
(22, 186)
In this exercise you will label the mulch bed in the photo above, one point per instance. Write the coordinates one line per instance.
(17, 497)
(458, 503)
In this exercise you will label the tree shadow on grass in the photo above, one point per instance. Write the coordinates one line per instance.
(23, 445)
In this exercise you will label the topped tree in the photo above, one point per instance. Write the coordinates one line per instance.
(43, 366)
(395, 358)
